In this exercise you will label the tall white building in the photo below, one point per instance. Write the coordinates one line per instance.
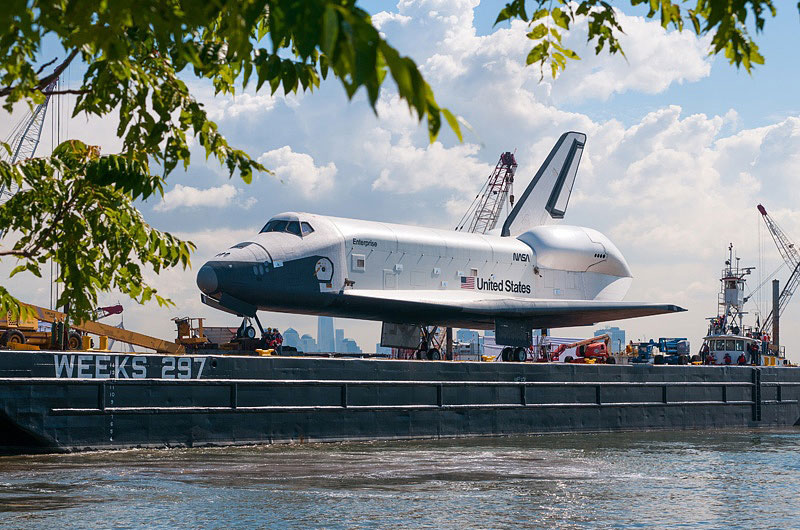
(325, 337)
(339, 340)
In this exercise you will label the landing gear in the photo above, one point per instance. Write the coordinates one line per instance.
(431, 340)
(514, 355)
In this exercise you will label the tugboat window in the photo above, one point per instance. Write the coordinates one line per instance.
(739, 345)
(729, 345)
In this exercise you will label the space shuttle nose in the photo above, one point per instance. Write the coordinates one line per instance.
(207, 279)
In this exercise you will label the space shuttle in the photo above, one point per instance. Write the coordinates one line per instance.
(534, 274)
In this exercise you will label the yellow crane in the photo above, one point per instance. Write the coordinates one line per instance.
(22, 331)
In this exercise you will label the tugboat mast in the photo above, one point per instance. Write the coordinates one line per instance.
(731, 297)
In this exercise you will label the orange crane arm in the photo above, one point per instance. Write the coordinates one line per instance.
(122, 335)
(564, 347)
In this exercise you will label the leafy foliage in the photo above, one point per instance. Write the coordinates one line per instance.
(76, 208)
(729, 22)
(138, 54)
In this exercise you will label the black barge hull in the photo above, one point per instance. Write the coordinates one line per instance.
(54, 401)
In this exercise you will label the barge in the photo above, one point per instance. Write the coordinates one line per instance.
(60, 401)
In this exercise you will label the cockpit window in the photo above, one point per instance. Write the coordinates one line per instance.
(275, 226)
(242, 245)
(294, 228)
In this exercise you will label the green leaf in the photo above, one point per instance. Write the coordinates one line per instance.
(538, 32)
(560, 18)
(330, 31)
(538, 53)
(453, 122)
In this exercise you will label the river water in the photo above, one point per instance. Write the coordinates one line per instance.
(700, 479)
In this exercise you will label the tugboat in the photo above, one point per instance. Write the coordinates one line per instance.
(729, 341)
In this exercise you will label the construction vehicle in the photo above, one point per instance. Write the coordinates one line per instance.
(190, 332)
(643, 352)
(672, 351)
(24, 333)
(589, 351)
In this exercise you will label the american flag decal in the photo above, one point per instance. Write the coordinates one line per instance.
(468, 282)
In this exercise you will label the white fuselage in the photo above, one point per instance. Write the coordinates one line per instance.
(552, 262)
(314, 272)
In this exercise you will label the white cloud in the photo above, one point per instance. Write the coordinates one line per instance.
(241, 105)
(189, 197)
(409, 169)
(654, 60)
(299, 170)
(454, 56)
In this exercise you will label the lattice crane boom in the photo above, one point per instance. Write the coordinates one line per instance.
(788, 250)
(25, 137)
(791, 256)
(485, 210)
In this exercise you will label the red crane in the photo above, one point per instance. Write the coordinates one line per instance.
(483, 213)
(791, 256)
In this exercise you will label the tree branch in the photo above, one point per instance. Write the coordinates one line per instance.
(18, 253)
(57, 72)
(65, 91)
(45, 81)
(45, 65)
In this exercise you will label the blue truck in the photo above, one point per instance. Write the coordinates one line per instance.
(673, 350)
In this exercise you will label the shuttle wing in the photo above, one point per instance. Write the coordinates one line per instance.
(482, 309)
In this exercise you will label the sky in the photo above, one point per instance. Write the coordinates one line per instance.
(681, 148)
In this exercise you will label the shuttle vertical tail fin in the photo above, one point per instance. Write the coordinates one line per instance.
(547, 196)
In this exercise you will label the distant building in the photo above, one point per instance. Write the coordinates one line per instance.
(307, 344)
(325, 338)
(350, 346)
(617, 337)
(291, 338)
(383, 350)
(339, 338)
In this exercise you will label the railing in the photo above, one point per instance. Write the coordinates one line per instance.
(526, 398)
